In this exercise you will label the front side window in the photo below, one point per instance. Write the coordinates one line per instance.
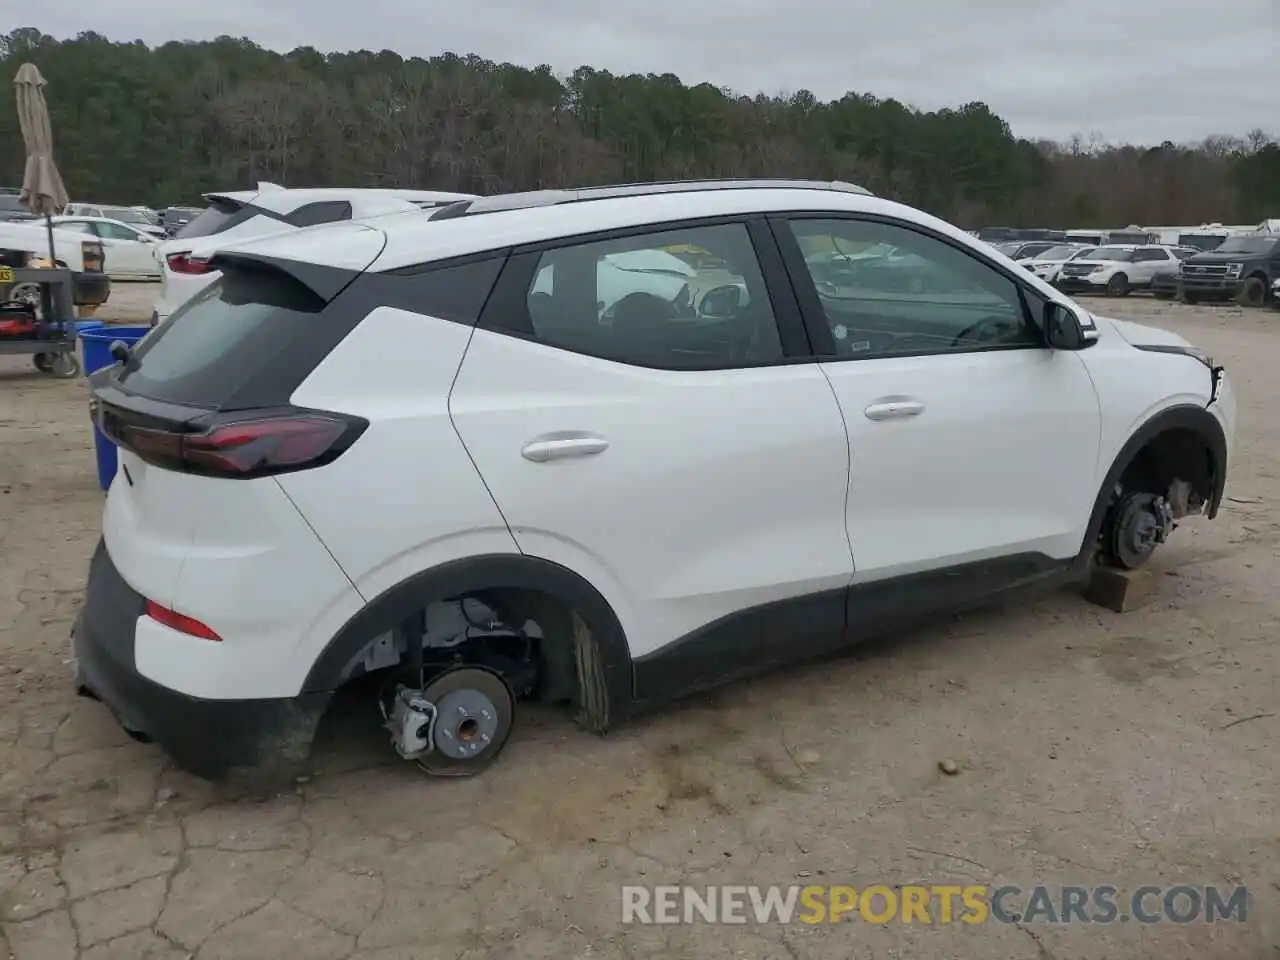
(684, 299)
(886, 290)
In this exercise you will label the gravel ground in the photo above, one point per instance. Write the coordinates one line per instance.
(1090, 748)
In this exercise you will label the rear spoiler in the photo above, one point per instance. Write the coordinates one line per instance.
(326, 282)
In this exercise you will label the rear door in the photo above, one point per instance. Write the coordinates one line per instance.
(692, 467)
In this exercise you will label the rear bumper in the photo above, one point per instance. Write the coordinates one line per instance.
(209, 738)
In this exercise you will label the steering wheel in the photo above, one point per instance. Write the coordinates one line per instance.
(977, 333)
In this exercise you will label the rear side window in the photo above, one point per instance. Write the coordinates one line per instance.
(251, 337)
(215, 342)
(327, 211)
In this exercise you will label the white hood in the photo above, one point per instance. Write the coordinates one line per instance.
(1143, 336)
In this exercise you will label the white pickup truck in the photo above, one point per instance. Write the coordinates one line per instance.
(26, 244)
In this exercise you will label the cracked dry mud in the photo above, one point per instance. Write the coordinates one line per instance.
(1092, 748)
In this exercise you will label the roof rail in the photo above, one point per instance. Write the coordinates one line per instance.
(546, 198)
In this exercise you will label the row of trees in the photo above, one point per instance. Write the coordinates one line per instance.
(162, 125)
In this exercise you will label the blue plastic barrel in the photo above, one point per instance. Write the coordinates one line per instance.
(95, 344)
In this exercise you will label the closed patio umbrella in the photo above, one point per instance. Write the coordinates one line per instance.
(42, 189)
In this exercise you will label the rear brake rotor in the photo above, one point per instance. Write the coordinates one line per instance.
(475, 711)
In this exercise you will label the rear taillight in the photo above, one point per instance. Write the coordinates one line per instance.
(245, 448)
(180, 622)
(185, 263)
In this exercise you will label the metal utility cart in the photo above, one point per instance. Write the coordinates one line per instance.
(52, 345)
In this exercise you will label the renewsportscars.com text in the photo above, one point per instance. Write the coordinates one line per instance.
(935, 904)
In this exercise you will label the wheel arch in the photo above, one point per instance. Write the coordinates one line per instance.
(607, 668)
(1181, 417)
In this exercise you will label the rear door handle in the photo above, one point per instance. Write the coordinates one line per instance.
(894, 409)
(562, 448)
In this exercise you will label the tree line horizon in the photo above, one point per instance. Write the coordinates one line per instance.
(163, 125)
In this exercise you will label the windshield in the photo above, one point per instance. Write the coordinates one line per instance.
(126, 215)
(1201, 241)
(1111, 253)
(11, 204)
(1248, 245)
(221, 214)
(1008, 249)
(1083, 253)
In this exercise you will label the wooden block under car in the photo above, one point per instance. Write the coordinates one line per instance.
(1119, 590)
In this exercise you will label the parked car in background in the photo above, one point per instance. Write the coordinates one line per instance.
(13, 209)
(241, 214)
(131, 253)
(1025, 249)
(129, 215)
(1115, 270)
(1048, 265)
(27, 245)
(1275, 294)
(1243, 267)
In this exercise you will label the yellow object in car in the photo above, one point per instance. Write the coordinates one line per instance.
(6, 275)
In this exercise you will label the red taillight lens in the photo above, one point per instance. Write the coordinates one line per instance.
(255, 446)
(185, 263)
(180, 622)
(239, 449)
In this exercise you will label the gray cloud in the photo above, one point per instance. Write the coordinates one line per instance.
(1131, 70)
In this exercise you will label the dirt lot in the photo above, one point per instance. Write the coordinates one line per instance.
(1092, 748)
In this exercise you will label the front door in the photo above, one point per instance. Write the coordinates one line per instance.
(690, 463)
(127, 256)
(969, 440)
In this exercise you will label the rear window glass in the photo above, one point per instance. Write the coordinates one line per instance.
(218, 340)
(220, 215)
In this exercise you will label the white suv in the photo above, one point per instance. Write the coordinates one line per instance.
(269, 209)
(425, 447)
(1116, 270)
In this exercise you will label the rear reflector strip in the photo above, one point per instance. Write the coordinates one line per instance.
(180, 622)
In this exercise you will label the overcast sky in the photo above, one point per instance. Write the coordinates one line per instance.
(1131, 70)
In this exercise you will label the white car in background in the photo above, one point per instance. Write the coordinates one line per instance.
(1048, 264)
(243, 214)
(1117, 269)
(129, 252)
(130, 215)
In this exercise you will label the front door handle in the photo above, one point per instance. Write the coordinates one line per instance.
(561, 448)
(894, 408)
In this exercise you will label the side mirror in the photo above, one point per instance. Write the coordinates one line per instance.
(1062, 327)
(720, 302)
